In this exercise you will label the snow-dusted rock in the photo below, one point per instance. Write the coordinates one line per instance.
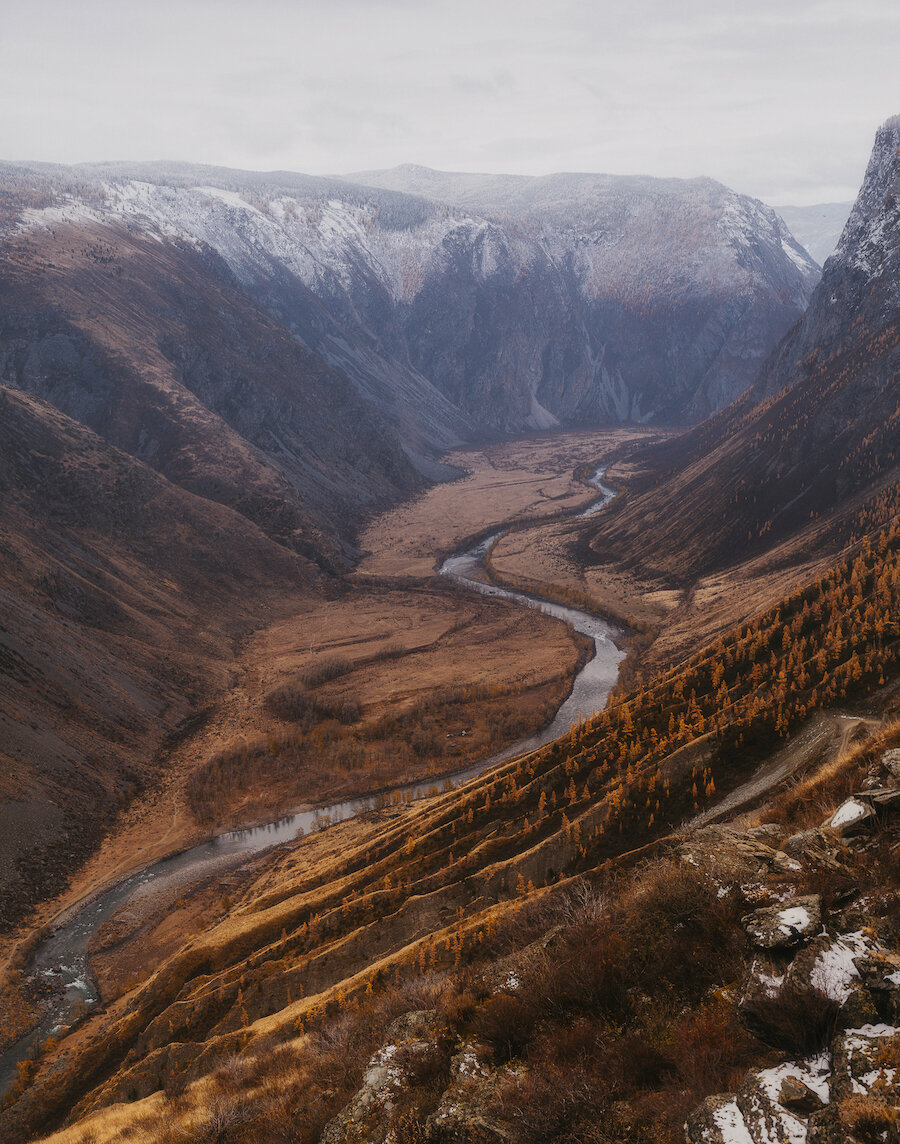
(855, 816)
(718, 1120)
(464, 1114)
(411, 1039)
(784, 926)
(858, 1067)
(759, 1099)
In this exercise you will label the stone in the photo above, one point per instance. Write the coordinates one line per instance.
(825, 1127)
(881, 974)
(885, 798)
(464, 1115)
(769, 833)
(854, 816)
(890, 760)
(412, 1040)
(762, 985)
(828, 965)
(786, 925)
(798, 1097)
(767, 1120)
(856, 1054)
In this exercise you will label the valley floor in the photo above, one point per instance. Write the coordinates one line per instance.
(408, 643)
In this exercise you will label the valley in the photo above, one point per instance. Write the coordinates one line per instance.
(450, 657)
(403, 643)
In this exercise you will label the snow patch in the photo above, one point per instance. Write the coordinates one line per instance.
(793, 919)
(730, 1123)
(834, 969)
(849, 812)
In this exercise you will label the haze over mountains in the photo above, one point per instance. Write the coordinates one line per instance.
(817, 228)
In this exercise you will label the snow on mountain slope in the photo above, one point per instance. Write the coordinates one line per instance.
(516, 303)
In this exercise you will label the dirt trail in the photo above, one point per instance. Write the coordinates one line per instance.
(826, 738)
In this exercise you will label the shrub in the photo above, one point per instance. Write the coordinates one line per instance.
(871, 1119)
(324, 668)
(799, 1019)
(506, 1022)
(292, 701)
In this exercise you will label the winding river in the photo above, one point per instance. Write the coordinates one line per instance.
(63, 957)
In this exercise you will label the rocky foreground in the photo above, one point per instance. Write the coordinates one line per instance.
(822, 988)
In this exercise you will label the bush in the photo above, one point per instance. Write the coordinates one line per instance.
(798, 1019)
(292, 701)
(324, 668)
(506, 1022)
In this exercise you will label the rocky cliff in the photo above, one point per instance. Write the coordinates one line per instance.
(521, 303)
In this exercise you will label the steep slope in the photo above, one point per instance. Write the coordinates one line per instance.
(566, 299)
(155, 348)
(123, 597)
(680, 282)
(811, 450)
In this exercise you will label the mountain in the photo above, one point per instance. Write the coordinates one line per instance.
(817, 228)
(124, 597)
(573, 945)
(809, 452)
(495, 304)
(155, 347)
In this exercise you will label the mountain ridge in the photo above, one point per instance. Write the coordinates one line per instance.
(670, 292)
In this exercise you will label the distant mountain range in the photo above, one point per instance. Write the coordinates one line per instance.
(494, 304)
(817, 228)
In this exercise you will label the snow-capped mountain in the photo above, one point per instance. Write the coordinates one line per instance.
(476, 303)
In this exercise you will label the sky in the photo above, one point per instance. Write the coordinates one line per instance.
(776, 98)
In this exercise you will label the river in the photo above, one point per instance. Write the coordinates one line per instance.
(63, 957)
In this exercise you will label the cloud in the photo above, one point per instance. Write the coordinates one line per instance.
(773, 99)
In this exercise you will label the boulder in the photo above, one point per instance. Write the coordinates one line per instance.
(881, 974)
(884, 798)
(828, 966)
(825, 1127)
(890, 760)
(798, 1097)
(770, 833)
(412, 1042)
(767, 1119)
(464, 1114)
(761, 988)
(814, 848)
(853, 817)
(784, 926)
(857, 1055)
(735, 855)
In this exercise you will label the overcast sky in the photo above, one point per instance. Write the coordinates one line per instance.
(777, 98)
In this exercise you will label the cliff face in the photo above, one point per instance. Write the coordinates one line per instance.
(507, 305)
(154, 347)
(814, 441)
